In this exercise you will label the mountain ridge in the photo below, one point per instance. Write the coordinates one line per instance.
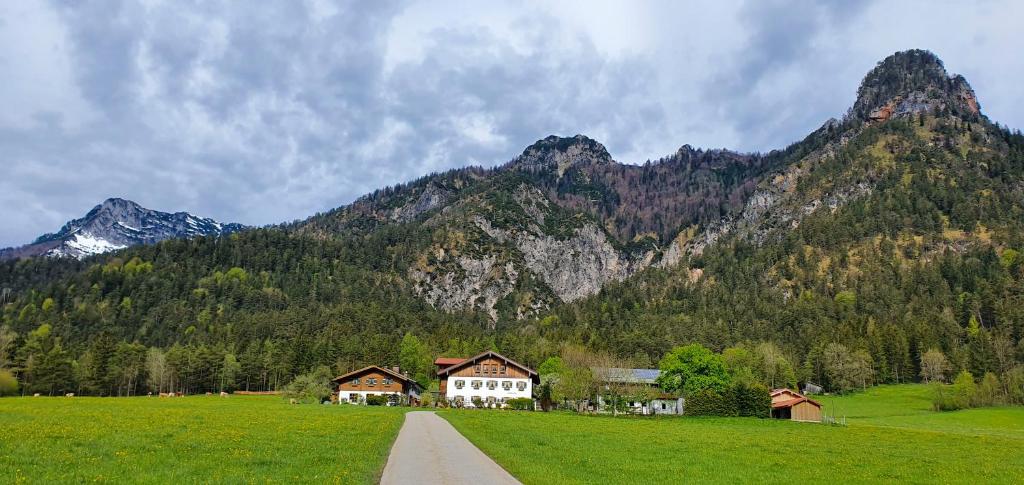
(118, 223)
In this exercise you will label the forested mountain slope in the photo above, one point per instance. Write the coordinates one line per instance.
(877, 237)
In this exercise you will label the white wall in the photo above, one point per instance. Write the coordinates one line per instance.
(467, 392)
(343, 396)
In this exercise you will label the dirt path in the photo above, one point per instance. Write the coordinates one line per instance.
(429, 450)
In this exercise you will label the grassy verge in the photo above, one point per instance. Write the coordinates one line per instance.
(975, 445)
(192, 439)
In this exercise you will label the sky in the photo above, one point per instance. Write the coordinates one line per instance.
(265, 112)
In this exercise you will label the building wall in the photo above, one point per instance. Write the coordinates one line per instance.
(452, 392)
(806, 411)
(346, 396)
(671, 406)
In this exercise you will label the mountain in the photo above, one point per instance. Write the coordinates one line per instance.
(117, 224)
(569, 219)
(891, 231)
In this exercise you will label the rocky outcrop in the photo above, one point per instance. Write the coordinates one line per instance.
(429, 199)
(556, 154)
(570, 267)
(912, 82)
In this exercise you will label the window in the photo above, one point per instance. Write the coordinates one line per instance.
(521, 385)
(476, 384)
(504, 370)
(371, 381)
(459, 399)
(354, 398)
(494, 369)
(662, 405)
(355, 382)
(476, 369)
(387, 381)
(506, 385)
(459, 384)
(492, 385)
(491, 400)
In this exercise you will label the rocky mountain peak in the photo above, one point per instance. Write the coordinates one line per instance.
(910, 82)
(118, 223)
(556, 153)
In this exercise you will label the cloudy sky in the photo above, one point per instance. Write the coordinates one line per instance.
(266, 114)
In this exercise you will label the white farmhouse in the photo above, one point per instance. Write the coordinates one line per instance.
(490, 379)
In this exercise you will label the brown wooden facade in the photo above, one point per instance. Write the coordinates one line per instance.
(788, 404)
(378, 380)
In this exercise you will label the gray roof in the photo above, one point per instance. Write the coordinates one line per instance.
(639, 376)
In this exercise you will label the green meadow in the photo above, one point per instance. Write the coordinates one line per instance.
(240, 439)
(891, 436)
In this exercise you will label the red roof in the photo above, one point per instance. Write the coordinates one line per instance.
(448, 361)
(793, 402)
(446, 370)
(400, 377)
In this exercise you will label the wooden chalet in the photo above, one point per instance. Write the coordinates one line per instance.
(373, 380)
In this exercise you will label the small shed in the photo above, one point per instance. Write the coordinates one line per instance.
(789, 404)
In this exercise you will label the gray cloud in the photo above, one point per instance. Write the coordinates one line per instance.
(270, 112)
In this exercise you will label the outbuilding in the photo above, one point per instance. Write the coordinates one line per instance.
(789, 404)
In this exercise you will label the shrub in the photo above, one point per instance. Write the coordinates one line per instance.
(990, 391)
(751, 399)
(376, 400)
(312, 387)
(8, 384)
(520, 404)
(943, 398)
(964, 389)
(709, 403)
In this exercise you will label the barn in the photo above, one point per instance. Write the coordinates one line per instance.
(789, 404)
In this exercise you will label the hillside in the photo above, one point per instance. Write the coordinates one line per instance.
(891, 231)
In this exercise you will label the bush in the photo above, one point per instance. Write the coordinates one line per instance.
(478, 403)
(751, 399)
(520, 404)
(376, 400)
(942, 398)
(8, 384)
(312, 387)
(709, 403)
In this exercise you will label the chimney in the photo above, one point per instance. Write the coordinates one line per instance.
(396, 370)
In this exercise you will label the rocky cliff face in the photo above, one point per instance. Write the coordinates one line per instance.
(116, 224)
(524, 255)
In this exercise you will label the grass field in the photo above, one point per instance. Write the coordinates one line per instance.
(892, 436)
(240, 439)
